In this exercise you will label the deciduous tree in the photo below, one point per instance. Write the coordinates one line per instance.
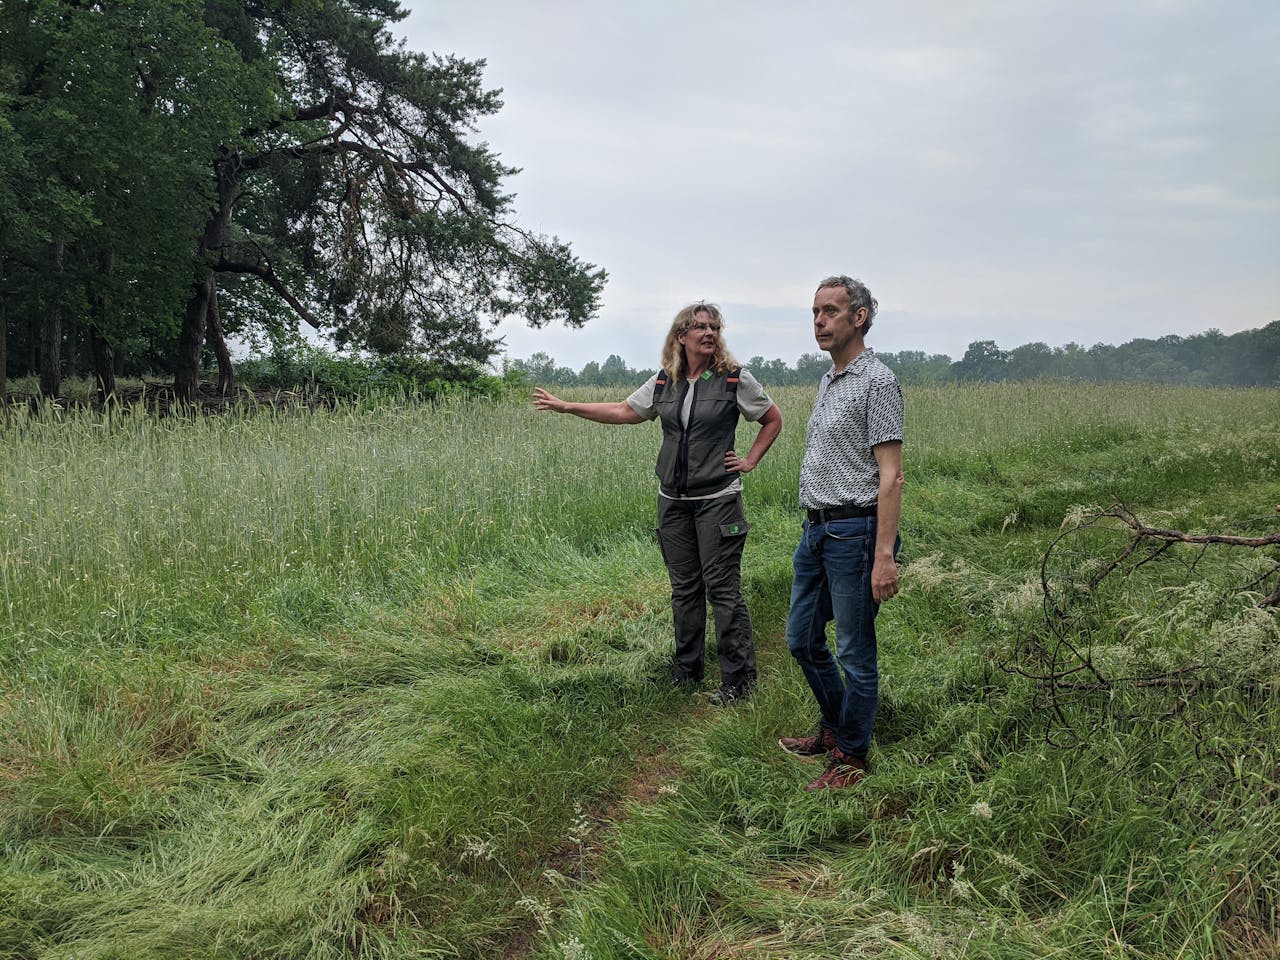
(290, 156)
(361, 203)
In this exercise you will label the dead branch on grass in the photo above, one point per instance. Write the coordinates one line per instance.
(1062, 658)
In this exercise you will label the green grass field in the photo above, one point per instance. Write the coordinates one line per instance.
(377, 683)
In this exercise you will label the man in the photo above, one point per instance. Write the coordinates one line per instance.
(845, 567)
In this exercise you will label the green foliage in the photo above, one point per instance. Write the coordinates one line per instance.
(362, 192)
(313, 371)
(1247, 359)
(296, 150)
(115, 111)
(373, 681)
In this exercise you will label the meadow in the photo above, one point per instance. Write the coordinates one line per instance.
(379, 682)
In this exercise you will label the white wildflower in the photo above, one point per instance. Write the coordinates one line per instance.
(981, 809)
(574, 949)
(580, 829)
(477, 848)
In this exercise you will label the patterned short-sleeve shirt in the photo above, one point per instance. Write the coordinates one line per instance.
(857, 408)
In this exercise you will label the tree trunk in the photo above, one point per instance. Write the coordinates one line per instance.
(51, 336)
(226, 372)
(4, 351)
(51, 351)
(75, 348)
(100, 351)
(186, 380)
(104, 367)
(32, 341)
(195, 319)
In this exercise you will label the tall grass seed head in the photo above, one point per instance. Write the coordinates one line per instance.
(932, 571)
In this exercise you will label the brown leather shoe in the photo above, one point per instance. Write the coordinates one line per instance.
(823, 741)
(842, 771)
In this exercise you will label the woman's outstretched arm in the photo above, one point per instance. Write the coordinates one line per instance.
(619, 412)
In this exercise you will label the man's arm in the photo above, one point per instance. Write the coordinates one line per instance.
(884, 571)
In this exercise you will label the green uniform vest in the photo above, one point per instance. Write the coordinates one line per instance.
(691, 460)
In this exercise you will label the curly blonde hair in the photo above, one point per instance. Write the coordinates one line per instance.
(673, 359)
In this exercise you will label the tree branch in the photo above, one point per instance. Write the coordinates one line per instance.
(1122, 513)
(265, 273)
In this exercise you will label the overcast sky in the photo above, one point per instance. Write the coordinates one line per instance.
(1005, 170)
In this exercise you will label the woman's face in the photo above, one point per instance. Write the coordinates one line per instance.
(701, 339)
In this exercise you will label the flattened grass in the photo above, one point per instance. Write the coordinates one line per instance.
(376, 683)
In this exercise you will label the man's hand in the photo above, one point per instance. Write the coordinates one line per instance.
(884, 579)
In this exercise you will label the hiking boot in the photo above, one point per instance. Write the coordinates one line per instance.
(842, 771)
(823, 740)
(729, 695)
(686, 683)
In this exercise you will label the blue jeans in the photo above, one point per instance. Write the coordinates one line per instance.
(833, 581)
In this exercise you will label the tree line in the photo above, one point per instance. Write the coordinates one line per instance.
(1250, 358)
(177, 172)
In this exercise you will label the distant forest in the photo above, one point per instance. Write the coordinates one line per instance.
(1250, 358)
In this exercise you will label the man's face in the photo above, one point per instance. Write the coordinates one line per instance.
(835, 326)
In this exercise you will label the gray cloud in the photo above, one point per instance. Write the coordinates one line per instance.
(1001, 170)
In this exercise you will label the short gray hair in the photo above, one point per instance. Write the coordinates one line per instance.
(859, 296)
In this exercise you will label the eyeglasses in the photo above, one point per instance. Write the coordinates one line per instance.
(706, 310)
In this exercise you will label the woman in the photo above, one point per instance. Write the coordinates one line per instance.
(698, 396)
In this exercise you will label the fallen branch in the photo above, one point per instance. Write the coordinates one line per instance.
(1063, 658)
(1141, 533)
(1123, 514)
